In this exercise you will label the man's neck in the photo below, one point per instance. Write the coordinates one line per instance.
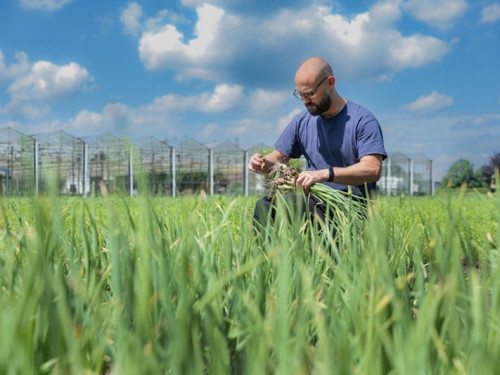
(336, 107)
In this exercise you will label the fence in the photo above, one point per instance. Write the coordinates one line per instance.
(107, 164)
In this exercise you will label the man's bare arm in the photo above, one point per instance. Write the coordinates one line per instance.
(367, 170)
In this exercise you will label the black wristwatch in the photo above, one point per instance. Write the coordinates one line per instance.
(331, 174)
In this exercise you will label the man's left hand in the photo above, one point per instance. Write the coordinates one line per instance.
(307, 178)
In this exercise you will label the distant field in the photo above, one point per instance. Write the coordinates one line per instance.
(182, 286)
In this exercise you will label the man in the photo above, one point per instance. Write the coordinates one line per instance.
(341, 141)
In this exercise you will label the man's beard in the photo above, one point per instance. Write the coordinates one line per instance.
(321, 107)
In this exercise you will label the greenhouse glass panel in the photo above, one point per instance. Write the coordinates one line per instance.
(192, 167)
(17, 172)
(60, 162)
(155, 165)
(422, 175)
(108, 164)
(229, 168)
(256, 181)
(395, 178)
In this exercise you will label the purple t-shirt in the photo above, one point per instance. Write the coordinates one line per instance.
(339, 141)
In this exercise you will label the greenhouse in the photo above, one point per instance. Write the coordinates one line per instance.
(17, 172)
(59, 157)
(154, 164)
(229, 169)
(256, 182)
(395, 178)
(192, 167)
(404, 175)
(421, 175)
(106, 164)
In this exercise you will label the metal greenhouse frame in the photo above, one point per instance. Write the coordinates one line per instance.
(395, 178)
(256, 182)
(192, 167)
(229, 169)
(404, 175)
(59, 160)
(421, 175)
(155, 165)
(17, 155)
(108, 165)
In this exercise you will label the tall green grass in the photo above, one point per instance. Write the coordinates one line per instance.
(183, 286)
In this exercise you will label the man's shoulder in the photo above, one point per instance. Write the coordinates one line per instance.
(353, 107)
(302, 119)
(302, 115)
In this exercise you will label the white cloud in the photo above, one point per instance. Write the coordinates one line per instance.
(249, 131)
(15, 69)
(155, 48)
(159, 48)
(386, 11)
(491, 13)
(161, 116)
(130, 18)
(441, 14)
(211, 130)
(431, 102)
(262, 101)
(47, 80)
(158, 117)
(44, 81)
(86, 121)
(50, 5)
(156, 23)
(131, 122)
(224, 97)
(415, 51)
(350, 32)
(25, 109)
(115, 118)
(365, 46)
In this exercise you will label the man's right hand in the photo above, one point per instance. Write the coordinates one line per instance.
(257, 163)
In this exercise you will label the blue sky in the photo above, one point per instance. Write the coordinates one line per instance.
(216, 70)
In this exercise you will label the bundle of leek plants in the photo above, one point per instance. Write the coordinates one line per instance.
(346, 209)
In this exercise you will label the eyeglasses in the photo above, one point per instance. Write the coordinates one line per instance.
(308, 95)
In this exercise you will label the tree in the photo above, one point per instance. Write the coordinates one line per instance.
(462, 172)
(495, 160)
(489, 170)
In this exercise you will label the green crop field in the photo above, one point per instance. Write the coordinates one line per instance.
(182, 286)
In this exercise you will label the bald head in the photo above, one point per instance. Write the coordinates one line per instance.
(315, 85)
(313, 69)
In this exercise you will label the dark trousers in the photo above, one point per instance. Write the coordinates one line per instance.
(302, 206)
(299, 206)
